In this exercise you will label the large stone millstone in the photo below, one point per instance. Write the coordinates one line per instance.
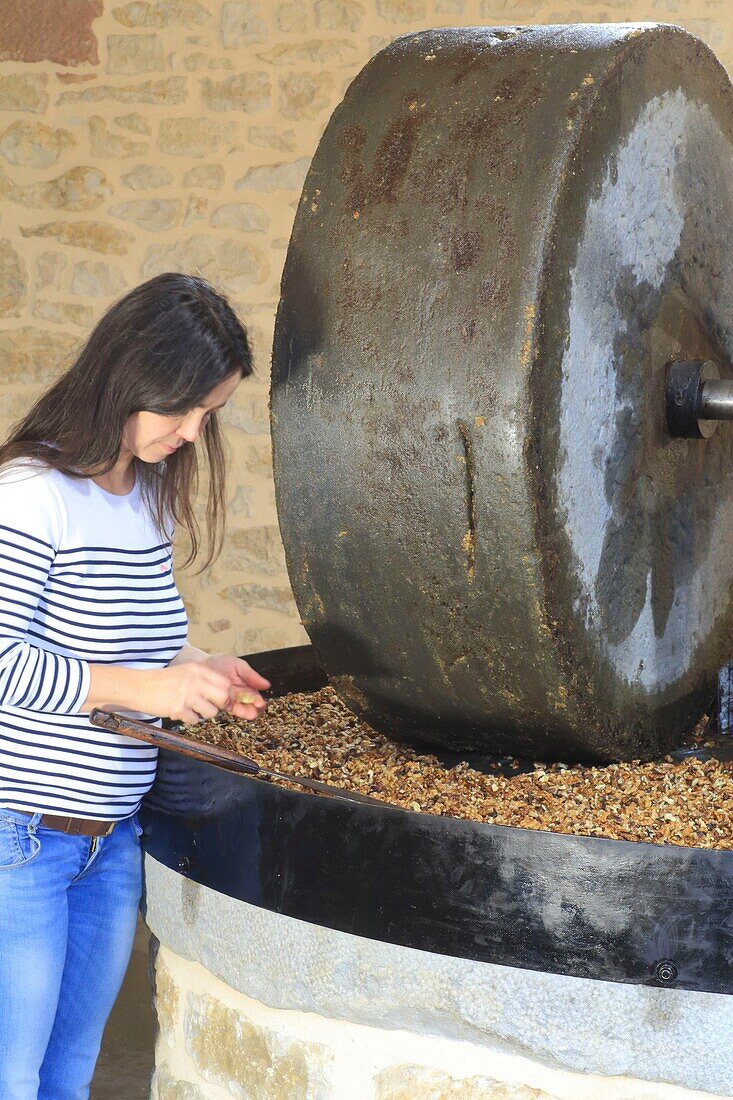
(504, 236)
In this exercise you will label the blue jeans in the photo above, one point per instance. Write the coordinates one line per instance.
(68, 909)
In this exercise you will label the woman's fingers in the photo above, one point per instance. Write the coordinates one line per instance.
(252, 678)
(207, 709)
(217, 688)
(242, 710)
(248, 698)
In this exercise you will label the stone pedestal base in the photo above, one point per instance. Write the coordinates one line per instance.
(257, 1006)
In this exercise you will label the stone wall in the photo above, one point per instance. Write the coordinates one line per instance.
(162, 135)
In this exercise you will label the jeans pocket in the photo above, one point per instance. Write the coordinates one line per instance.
(18, 844)
(136, 826)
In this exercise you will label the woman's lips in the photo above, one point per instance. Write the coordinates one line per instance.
(169, 449)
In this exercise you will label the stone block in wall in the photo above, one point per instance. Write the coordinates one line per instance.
(227, 263)
(306, 95)
(247, 217)
(402, 11)
(130, 54)
(254, 550)
(424, 1083)
(272, 137)
(247, 1060)
(258, 459)
(332, 51)
(165, 1086)
(240, 504)
(274, 177)
(169, 91)
(94, 235)
(97, 279)
(21, 91)
(13, 281)
(292, 17)
(194, 137)
(104, 143)
(35, 355)
(167, 996)
(339, 15)
(248, 92)
(75, 78)
(216, 626)
(279, 635)
(196, 209)
(497, 12)
(249, 596)
(59, 30)
(135, 122)
(195, 62)
(162, 13)
(150, 214)
(50, 266)
(377, 42)
(81, 188)
(243, 22)
(146, 177)
(61, 313)
(210, 176)
(35, 145)
(248, 412)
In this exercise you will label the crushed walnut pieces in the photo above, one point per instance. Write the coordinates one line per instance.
(665, 802)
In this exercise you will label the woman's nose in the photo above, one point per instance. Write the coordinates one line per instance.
(189, 428)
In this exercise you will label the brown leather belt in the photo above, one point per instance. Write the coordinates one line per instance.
(76, 826)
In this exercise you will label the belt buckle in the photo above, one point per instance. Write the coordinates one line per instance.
(109, 829)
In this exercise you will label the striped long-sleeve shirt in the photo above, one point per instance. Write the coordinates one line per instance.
(85, 577)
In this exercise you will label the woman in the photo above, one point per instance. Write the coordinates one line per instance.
(92, 483)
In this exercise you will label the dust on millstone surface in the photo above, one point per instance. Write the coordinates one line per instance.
(315, 735)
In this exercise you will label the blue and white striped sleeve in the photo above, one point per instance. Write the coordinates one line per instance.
(31, 678)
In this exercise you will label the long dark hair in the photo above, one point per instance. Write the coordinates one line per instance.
(161, 348)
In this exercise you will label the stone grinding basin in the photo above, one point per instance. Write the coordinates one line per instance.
(493, 540)
(627, 912)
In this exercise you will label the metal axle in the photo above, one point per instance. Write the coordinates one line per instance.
(696, 398)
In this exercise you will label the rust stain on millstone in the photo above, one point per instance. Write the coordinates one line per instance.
(465, 248)
(369, 188)
(529, 316)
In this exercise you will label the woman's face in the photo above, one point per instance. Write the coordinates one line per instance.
(152, 437)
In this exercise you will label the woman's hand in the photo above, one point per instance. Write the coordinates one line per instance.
(186, 692)
(245, 685)
(193, 686)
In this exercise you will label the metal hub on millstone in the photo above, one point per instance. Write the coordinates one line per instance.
(505, 238)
